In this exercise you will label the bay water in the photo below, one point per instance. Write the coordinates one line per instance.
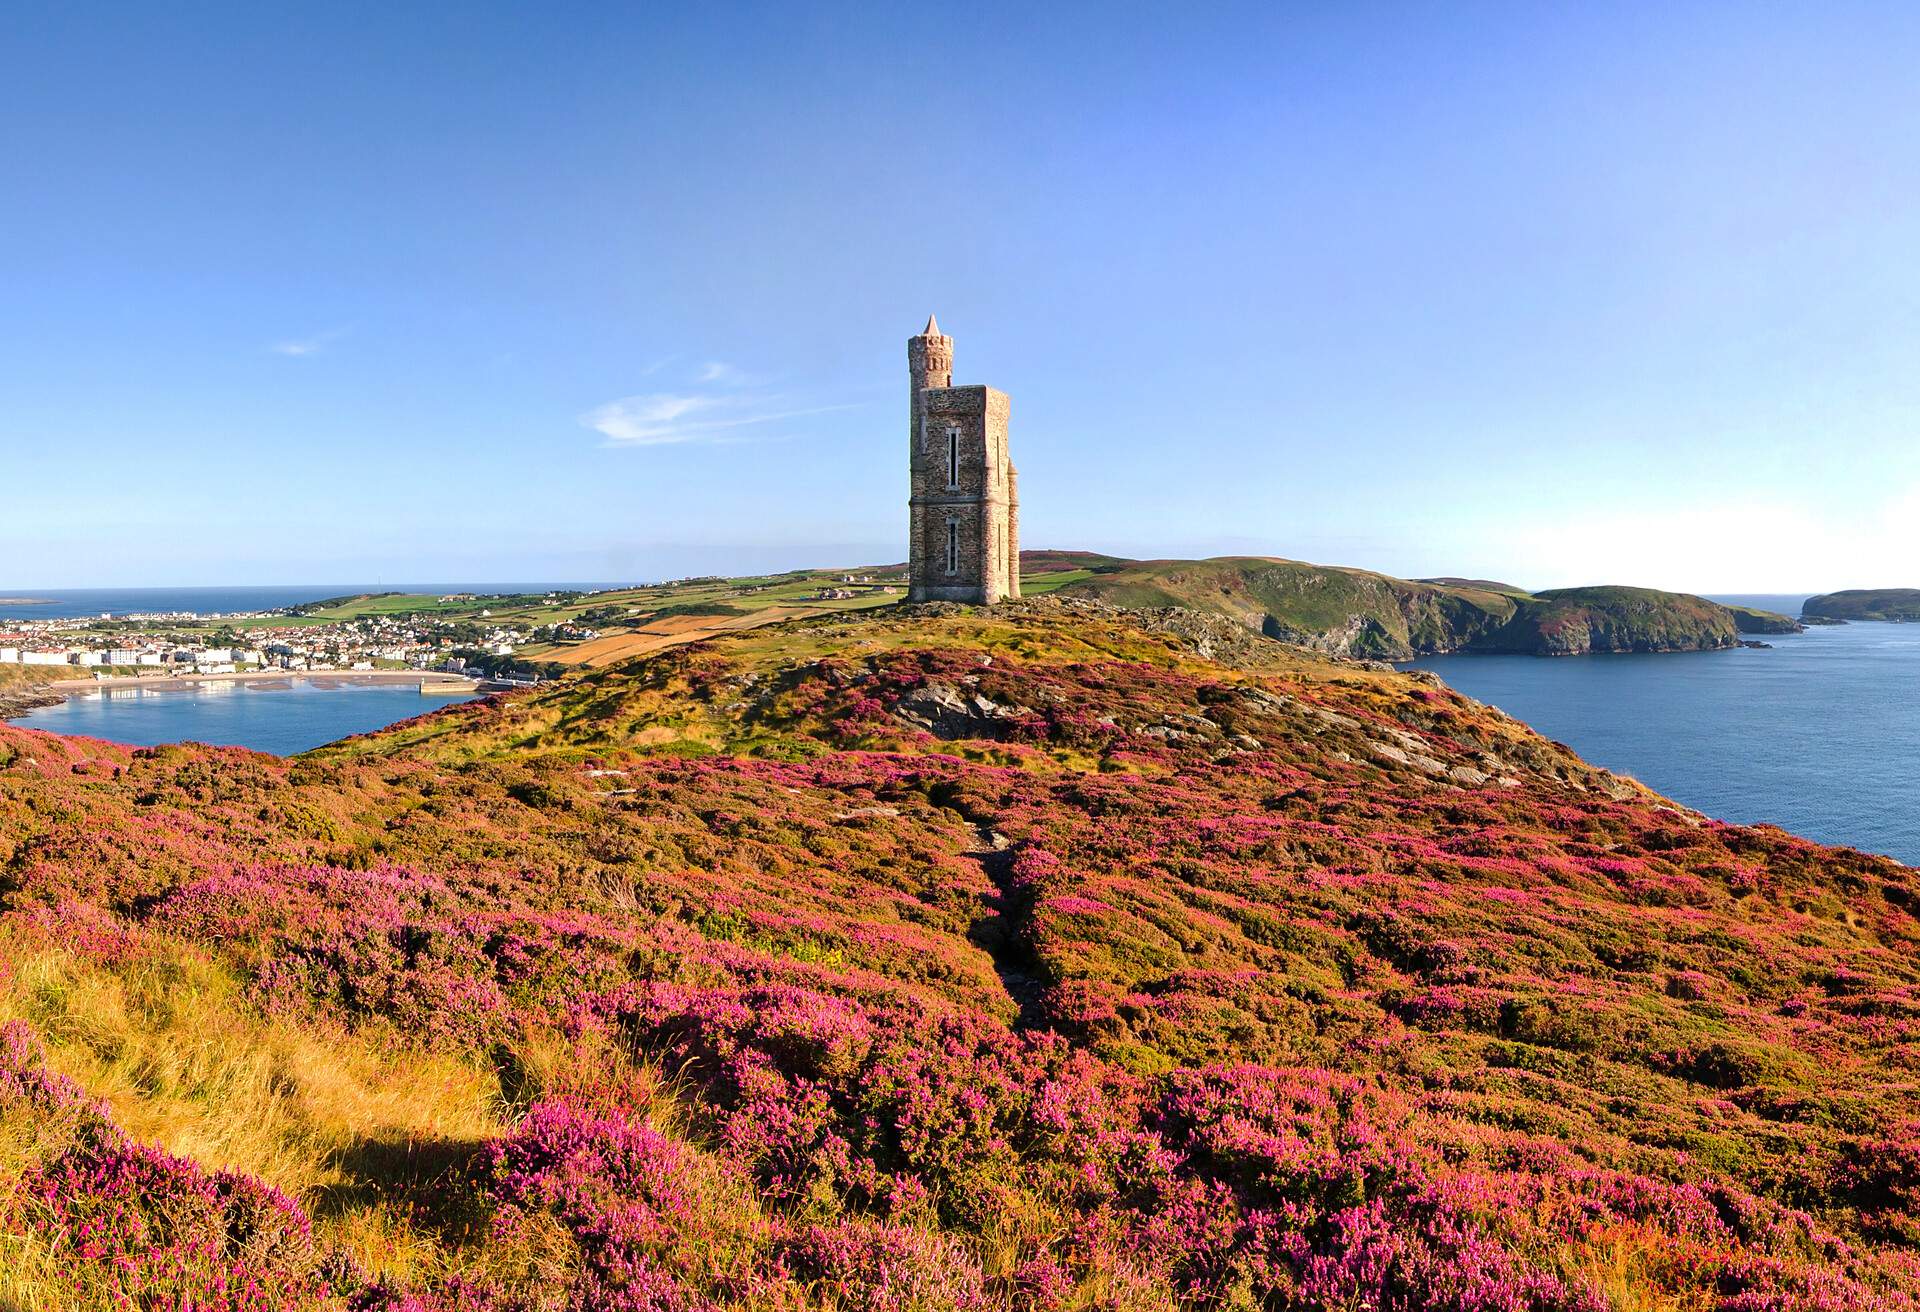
(283, 715)
(1820, 734)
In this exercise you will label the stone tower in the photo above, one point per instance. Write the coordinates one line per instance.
(964, 511)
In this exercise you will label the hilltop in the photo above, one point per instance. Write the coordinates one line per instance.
(1864, 604)
(1353, 612)
(1054, 957)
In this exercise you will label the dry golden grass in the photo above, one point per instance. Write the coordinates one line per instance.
(352, 1129)
(674, 631)
(1629, 1266)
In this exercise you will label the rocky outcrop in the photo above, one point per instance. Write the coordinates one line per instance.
(19, 699)
(948, 711)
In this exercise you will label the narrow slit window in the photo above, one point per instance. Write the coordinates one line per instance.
(953, 547)
(953, 457)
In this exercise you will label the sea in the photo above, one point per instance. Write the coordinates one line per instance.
(283, 716)
(1819, 734)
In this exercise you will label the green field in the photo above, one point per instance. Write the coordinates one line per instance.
(1039, 585)
(617, 610)
(640, 603)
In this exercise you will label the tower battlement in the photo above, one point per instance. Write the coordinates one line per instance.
(964, 507)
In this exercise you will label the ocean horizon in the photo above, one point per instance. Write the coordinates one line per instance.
(75, 603)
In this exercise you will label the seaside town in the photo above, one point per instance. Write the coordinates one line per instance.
(106, 646)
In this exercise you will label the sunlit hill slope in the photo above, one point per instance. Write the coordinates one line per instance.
(1056, 957)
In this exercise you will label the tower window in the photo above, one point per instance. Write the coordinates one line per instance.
(953, 457)
(953, 546)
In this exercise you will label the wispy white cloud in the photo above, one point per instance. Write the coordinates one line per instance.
(669, 419)
(721, 373)
(720, 399)
(302, 346)
(654, 420)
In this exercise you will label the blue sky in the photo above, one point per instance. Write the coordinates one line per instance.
(379, 293)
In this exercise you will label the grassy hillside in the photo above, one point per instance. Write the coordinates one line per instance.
(1044, 958)
(1484, 585)
(1865, 604)
(1352, 612)
(1346, 611)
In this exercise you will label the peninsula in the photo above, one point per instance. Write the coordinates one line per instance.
(1358, 613)
(1896, 604)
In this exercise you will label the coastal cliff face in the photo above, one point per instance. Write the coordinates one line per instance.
(1749, 619)
(1897, 604)
(1054, 957)
(1355, 613)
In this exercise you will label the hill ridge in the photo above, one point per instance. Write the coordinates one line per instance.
(1354, 612)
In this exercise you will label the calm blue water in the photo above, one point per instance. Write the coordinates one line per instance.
(1820, 735)
(1786, 603)
(283, 717)
(74, 602)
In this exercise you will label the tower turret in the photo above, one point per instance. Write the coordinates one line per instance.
(929, 364)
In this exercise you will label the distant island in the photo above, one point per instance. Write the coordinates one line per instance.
(1358, 613)
(26, 601)
(1895, 604)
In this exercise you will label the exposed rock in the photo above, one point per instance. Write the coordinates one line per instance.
(946, 711)
(18, 701)
(866, 812)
